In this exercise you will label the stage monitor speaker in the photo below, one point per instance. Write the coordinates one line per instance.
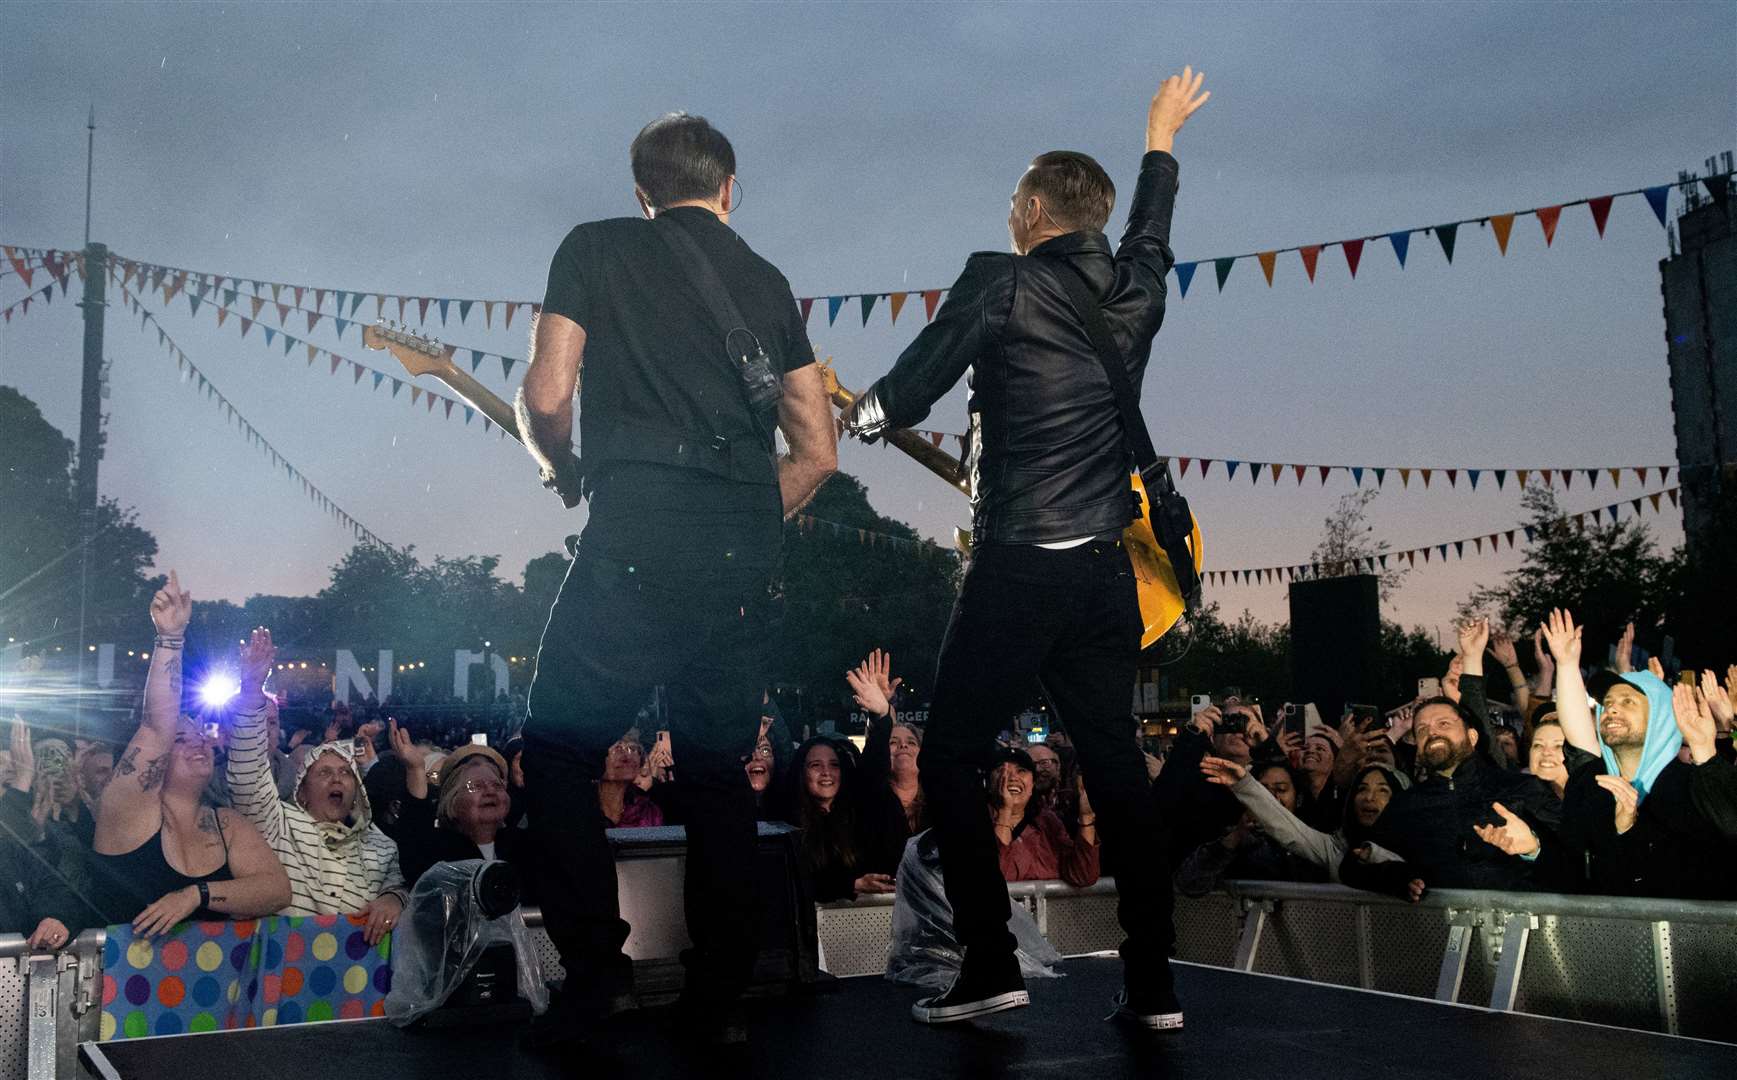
(1335, 642)
(650, 865)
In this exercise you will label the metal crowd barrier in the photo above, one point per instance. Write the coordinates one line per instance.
(1658, 965)
(1668, 966)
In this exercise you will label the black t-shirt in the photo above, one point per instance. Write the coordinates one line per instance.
(654, 357)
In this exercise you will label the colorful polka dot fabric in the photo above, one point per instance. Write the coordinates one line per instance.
(225, 975)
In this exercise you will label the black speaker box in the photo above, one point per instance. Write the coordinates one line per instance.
(1335, 642)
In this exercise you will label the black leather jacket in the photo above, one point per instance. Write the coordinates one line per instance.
(1048, 459)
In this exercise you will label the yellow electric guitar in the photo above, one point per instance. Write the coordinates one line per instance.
(1161, 601)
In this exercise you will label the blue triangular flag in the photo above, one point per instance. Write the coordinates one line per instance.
(1460, 548)
(1401, 244)
(355, 302)
(1501, 478)
(507, 363)
(463, 309)
(476, 358)
(1657, 197)
(868, 304)
(1356, 476)
(443, 304)
(1380, 477)
(379, 376)
(228, 297)
(1472, 475)
(1446, 234)
(468, 413)
(1531, 534)
(1184, 275)
(193, 302)
(343, 324)
(833, 303)
(1222, 268)
(269, 334)
(288, 343)
(1230, 469)
(339, 306)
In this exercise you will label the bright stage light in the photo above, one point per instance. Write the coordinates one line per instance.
(217, 690)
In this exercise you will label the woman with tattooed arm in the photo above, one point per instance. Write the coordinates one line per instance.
(164, 854)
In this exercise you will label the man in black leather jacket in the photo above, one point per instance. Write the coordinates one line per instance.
(1049, 591)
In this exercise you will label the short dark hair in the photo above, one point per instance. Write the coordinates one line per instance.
(1460, 711)
(678, 156)
(1075, 189)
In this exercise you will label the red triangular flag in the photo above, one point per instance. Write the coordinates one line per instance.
(805, 305)
(1547, 216)
(930, 299)
(1353, 252)
(1325, 470)
(897, 301)
(1300, 469)
(1600, 211)
(1310, 254)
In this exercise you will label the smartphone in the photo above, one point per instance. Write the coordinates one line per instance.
(479, 739)
(1198, 704)
(1428, 688)
(359, 745)
(1290, 719)
(211, 730)
(1368, 718)
(1686, 678)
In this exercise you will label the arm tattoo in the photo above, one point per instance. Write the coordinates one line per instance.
(129, 763)
(153, 773)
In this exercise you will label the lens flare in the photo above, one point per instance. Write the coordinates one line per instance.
(218, 689)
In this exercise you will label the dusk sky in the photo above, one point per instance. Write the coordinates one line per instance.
(443, 150)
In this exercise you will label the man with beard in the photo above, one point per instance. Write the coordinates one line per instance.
(1431, 826)
(1047, 770)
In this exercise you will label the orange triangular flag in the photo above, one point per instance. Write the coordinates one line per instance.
(1642, 473)
(222, 313)
(1503, 224)
(1615, 477)
(1267, 259)
(1404, 477)
(415, 395)
(1547, 216)
(1277, 469)
(897, 301)
(488, 313)
(930, 299)
(1310, 254)
(1655, 500)
(1523, 474)
(1425, 473)
(1545, 473)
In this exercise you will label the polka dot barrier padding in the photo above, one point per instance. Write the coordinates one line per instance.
(227, 975)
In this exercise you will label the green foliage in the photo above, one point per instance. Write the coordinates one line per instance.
(844, 596)
(1606, 575)
(40, 558)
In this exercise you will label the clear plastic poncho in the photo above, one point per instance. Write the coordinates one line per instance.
(444, 933)
(925, 952)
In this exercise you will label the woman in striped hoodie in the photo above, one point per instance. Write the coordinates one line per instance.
(338, 862)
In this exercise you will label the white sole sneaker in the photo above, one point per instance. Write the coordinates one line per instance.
(927, 1012)
(1148, 1021)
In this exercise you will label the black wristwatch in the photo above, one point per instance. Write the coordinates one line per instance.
(204, 895)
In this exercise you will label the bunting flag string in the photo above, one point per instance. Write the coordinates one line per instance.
(207, 389)
(808, 523)
(1493, 478)
(1488, 543)
(1501, 225)
(378, 378)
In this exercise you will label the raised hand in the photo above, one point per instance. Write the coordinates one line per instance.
(1563, 638)
(1695, 719)
(1718, 700)
(1474, 637)
(1656, 667)
(880, 667)
(1502, 648)
(1176, 100)
(23, 756)
(868, 694)
(1223, 771)
(1625, 650)
(256, 658)
(1627, 800)
(1450, 680)
(1512, 836)
(415, 759)
(1206, 720)
(171, 608)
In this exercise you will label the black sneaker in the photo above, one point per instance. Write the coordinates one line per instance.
(1161, 1013)
(979, 989)
(570, 1023)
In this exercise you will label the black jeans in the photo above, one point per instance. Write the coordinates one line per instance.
(1070, 618)
(619, 627)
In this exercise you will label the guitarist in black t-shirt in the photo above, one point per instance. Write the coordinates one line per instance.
(670, 583)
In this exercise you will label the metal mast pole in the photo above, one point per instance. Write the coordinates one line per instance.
(90, 417)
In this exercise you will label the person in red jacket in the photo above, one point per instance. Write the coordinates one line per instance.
(1034, 844)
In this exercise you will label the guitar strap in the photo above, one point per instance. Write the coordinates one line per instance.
(703, 276)
(1172, 521)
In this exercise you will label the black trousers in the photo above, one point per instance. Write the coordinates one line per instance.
(620, 626)
(1070, 618)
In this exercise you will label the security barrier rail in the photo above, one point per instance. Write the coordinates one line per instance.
(1659, 965)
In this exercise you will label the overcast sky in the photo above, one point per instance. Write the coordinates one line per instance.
(443, 150)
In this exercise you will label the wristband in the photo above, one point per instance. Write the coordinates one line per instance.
(204, 894)
(163, 642)
(1092, 824)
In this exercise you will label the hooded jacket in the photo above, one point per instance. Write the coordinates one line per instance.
(334, 868)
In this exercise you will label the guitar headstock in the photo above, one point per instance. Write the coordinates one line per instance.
(418, 354)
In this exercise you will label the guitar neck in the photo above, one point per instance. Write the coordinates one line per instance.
(481, 398)
(926, 453)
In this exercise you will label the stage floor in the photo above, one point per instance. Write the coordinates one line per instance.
(1239, 1025)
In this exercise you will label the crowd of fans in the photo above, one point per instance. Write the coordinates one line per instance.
(1611, 782)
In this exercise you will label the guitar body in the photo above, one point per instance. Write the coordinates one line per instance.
(1160, 596)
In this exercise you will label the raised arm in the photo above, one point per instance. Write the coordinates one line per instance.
(252, 783)
(1286, 829)
(1572, 711)
(130, 810)
(805, 417)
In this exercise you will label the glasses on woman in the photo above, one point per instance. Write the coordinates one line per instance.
(485, 787)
